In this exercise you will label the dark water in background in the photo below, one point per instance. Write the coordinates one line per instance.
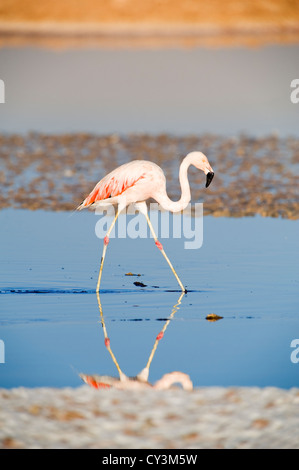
(246, 272)
(185, 91)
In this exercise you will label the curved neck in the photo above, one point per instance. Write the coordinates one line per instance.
(182, 203)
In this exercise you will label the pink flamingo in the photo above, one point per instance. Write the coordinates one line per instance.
(137, 181)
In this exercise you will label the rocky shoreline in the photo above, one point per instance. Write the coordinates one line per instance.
(55, 172)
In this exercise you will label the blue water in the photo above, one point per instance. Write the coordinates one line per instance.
(246, 271)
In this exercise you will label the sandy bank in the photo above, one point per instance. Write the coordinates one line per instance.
(212, 417)
(151, 23)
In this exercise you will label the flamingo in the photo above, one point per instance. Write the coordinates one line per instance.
(137, 181)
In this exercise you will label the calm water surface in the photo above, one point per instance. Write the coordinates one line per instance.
(246, 271)
(185, 91)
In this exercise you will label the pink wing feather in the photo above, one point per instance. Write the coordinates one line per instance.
(114, 184)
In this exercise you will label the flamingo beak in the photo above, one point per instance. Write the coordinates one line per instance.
(210, 176)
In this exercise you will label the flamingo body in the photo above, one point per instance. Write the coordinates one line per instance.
(140, 180)
(137, 181)
(132, 182)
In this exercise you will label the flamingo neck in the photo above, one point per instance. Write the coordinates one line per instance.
(182, 203)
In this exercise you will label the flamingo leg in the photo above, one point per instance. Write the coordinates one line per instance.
(106, 242)
(159, 245)
(143, 375)
(122, 376)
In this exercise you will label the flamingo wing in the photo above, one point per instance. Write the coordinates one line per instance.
(114, 184)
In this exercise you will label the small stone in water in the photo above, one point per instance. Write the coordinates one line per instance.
(213, 317)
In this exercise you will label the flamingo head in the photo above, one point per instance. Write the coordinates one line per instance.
(200, 161)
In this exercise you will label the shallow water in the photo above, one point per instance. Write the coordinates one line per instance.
(246, 272)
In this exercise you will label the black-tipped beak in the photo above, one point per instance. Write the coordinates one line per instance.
(210, 176)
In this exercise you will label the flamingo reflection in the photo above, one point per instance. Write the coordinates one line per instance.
(140, 381)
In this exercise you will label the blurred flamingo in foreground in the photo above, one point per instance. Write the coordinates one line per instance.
(137, 181)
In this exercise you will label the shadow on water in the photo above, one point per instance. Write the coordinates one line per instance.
(140, 381)
(11, 290)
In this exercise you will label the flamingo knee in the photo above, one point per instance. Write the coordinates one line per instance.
(159, 245)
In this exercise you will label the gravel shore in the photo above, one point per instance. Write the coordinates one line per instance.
(212, 417)
(56, 172)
